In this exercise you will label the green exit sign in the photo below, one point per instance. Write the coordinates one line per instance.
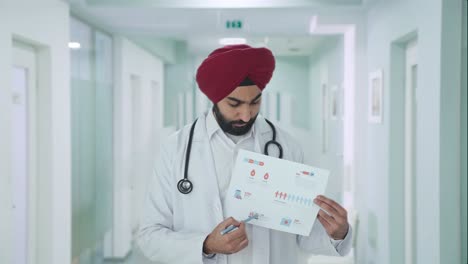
(236, 24)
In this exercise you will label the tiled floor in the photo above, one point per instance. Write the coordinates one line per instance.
(135, 257)
(96, 257)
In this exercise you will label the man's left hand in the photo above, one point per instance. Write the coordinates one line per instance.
(335, 221)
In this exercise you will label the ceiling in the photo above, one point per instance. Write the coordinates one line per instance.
(225, 3)
(283, 26)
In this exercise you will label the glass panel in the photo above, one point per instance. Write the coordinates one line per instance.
(92, 141)
(103, 134)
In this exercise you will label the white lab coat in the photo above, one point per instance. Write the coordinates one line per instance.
(174, 226)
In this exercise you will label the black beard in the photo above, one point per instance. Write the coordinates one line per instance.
(228, 126)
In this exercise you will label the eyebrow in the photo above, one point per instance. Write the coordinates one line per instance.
(243, 102)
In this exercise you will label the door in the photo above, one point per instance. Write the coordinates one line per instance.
(137, 145)
(23, 138)
(410, 150)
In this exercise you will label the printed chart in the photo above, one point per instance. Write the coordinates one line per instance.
(280, 191)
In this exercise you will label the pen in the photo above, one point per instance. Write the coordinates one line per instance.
(232, 227)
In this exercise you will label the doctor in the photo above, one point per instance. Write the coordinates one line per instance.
(183, 213)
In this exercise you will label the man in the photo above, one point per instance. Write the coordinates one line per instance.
(183, 215)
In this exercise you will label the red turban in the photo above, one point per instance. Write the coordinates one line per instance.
(225, 69)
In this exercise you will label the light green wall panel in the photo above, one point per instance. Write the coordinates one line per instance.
(463, 136)
(178, 78)
(291, 76)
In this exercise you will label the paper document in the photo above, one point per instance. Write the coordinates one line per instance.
(280, 191)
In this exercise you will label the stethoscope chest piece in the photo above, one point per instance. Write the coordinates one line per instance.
(185, 186)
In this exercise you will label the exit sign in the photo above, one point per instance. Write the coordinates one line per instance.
(235, 24)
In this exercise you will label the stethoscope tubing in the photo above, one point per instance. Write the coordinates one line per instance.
(185, 186)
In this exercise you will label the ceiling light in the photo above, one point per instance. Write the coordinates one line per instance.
(74, 45)
(232, 41)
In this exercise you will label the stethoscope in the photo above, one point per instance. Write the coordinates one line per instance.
(185, 186)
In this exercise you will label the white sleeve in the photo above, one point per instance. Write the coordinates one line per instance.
(343, 246)
(318, 242)
(156, 237)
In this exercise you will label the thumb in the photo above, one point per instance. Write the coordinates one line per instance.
(231, 221)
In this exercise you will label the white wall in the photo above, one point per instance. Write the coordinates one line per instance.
(437, 238)
(132, 60)
(162, 48)
(46, 27)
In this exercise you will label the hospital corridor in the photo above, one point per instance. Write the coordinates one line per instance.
(125, 126)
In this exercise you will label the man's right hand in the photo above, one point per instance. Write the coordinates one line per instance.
(229, 243)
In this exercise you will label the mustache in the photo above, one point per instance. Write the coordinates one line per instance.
(240, 122)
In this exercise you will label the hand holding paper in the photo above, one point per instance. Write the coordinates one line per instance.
(335, 221)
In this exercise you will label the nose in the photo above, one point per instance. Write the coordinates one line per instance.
(245, 114)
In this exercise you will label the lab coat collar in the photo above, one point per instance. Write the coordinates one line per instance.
(200, 136)
(262, 126)
(212, 125)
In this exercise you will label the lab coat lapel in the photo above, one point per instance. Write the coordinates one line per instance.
(201, 140)
(261, 235)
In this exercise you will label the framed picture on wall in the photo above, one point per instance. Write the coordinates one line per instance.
(375, 97)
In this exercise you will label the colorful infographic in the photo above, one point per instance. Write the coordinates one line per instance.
(280, 191)
(293, 198)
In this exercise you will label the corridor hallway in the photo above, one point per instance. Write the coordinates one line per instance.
(375, 91)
